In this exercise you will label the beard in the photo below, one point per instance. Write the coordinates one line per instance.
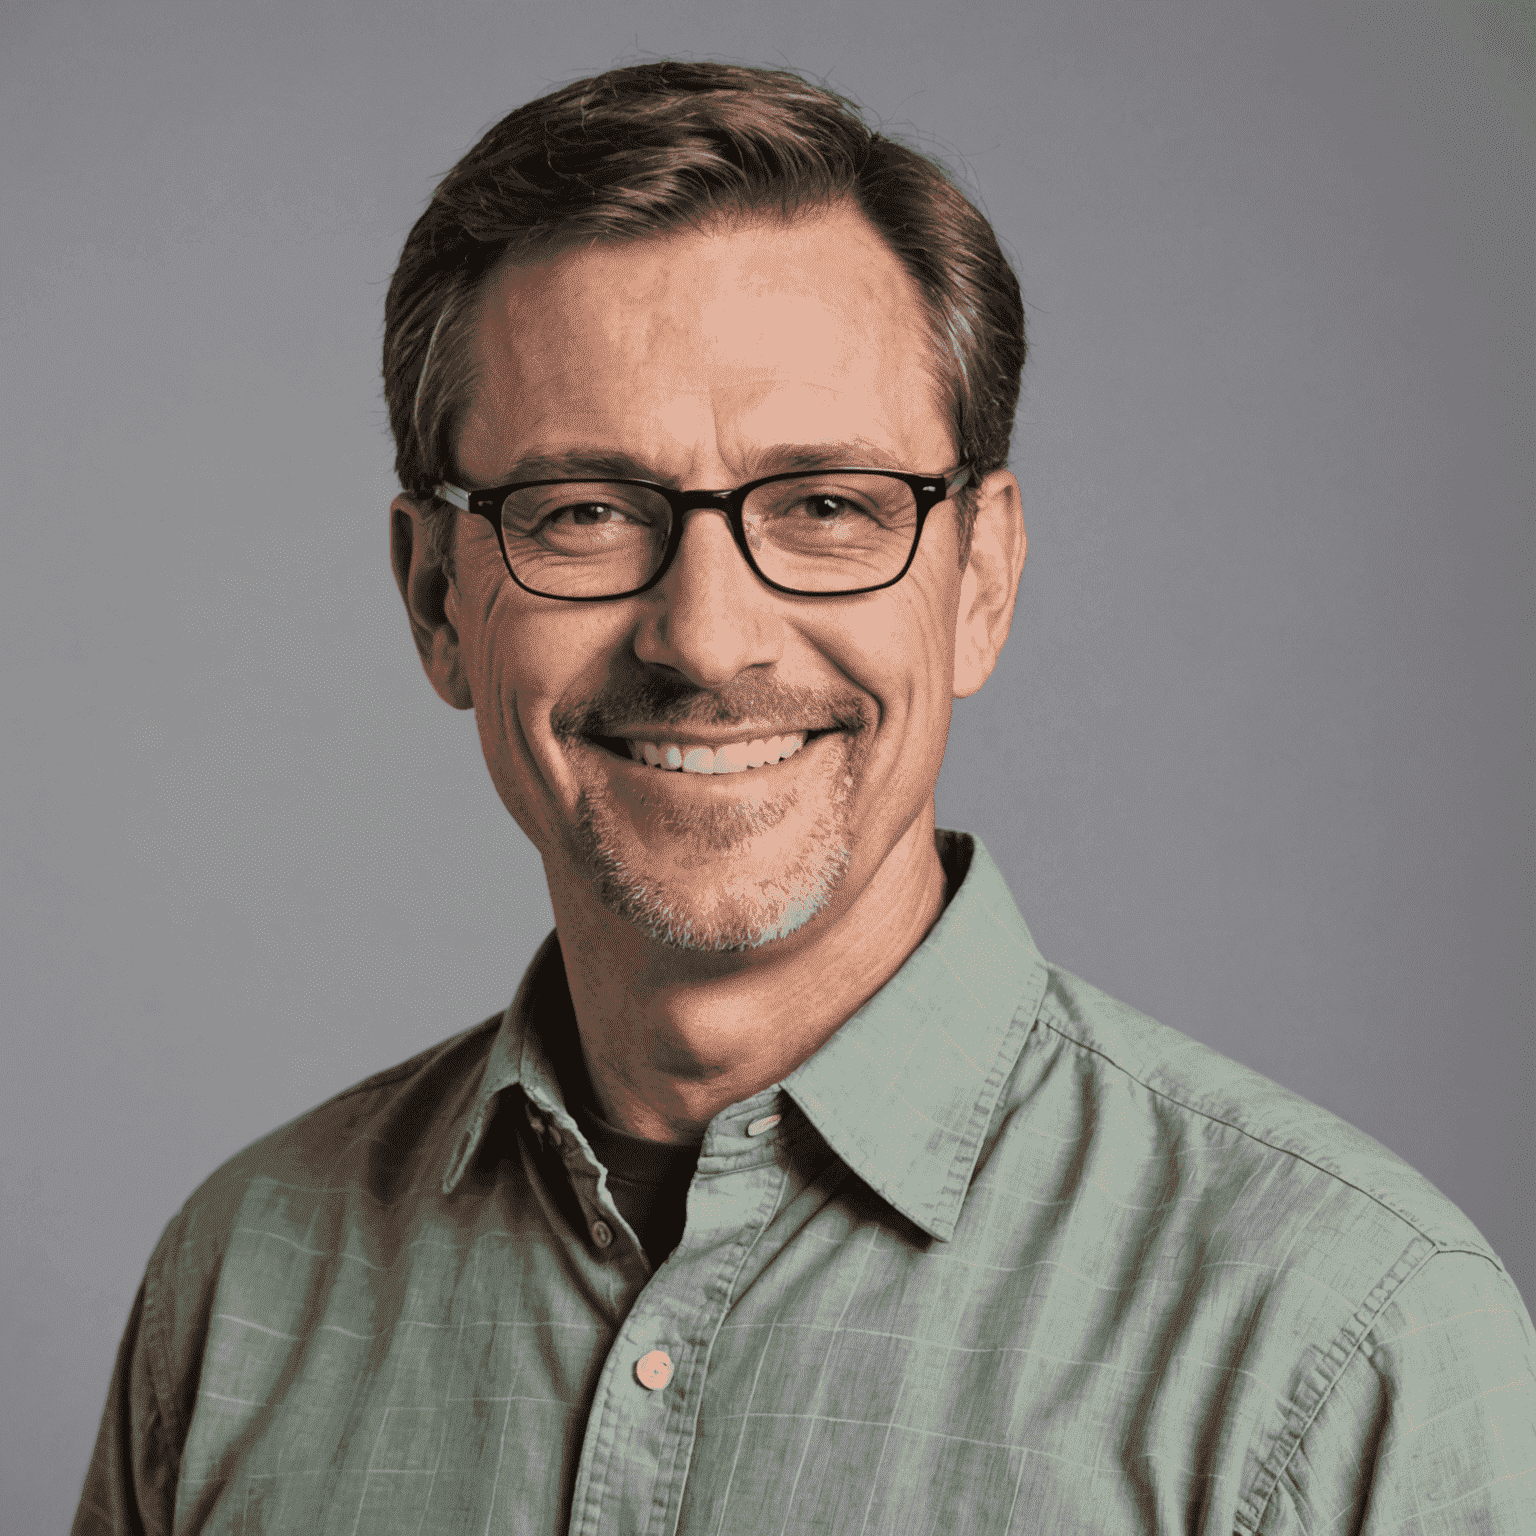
(736, 876)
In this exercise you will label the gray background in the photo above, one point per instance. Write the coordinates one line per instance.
(1257, 758)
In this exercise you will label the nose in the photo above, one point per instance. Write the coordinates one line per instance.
(709, 617)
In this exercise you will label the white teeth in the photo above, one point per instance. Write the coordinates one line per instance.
(734, 757)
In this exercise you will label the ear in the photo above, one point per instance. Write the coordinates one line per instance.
(990, 581)
(431, 601)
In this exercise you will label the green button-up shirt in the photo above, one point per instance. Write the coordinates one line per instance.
(1013, 1258)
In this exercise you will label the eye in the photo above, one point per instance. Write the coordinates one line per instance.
(593, 514)
(819, 507)
(581, 516)
(823, 508)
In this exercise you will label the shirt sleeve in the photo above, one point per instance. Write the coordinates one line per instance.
(1431, 1427)
(130, 1485)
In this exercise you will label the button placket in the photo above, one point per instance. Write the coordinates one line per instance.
(650, 1391)
(565, 1149)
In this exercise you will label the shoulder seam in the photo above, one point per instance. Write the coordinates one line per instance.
(1342, 1351)
(1486, 1254)
(1332, 1173)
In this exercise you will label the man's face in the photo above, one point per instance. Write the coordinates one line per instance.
(705, 359)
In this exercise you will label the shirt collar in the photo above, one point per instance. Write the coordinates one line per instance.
(518, 1058)
(903, 1091)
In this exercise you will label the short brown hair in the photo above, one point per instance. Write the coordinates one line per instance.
(652, 148)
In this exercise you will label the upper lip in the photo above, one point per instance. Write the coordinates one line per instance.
(710, 736)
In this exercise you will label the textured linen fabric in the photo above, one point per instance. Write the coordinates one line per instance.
(1014, 1258)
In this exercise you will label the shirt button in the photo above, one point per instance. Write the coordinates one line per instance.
(654, 1371)
(602, 1235)
(767, 1123)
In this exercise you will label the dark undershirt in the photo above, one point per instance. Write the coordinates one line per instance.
(648, 1181)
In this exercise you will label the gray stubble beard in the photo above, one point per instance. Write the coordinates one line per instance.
(789, 897)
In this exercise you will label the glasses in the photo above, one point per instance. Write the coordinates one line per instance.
(813, 533)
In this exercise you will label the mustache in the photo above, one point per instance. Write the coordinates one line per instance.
(660, 700)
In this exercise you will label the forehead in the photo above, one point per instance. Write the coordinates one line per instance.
(709, 343)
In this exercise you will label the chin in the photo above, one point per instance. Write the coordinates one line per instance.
(723, 881)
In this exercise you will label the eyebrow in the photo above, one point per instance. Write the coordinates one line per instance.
(781, 458)
(857, 453)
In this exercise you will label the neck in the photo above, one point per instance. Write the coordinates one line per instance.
(671, 1037)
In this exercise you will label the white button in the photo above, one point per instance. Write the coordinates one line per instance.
(767, 1123)
(654, 1370)
(556, 1137)
(602, 1233)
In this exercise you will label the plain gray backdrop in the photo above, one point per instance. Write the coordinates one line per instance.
(1257, 758)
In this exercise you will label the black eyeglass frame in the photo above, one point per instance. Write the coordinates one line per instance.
(928, 491)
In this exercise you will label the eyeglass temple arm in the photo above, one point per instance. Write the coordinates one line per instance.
(452, 494)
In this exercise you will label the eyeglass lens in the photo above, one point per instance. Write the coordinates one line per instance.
(835, 531)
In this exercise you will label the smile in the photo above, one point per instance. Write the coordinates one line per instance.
(731, 757)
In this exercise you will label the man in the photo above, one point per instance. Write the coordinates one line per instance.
(794, 1190)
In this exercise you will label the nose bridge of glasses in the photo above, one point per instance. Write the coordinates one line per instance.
(684, 502)
(688, 501)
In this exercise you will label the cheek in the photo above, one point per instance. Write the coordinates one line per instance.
(899, 648)
(504, 744)
(906, 637)
(532, 657)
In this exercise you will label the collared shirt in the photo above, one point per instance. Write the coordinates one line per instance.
(1002, 1255)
